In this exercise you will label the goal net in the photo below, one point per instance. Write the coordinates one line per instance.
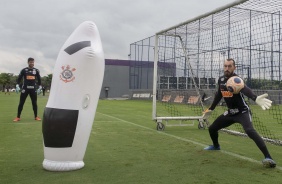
(189, 59)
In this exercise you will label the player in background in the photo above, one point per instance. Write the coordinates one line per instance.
(7, 90)
(29, 75)
(238, 112)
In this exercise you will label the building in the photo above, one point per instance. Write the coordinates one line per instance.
(123, 76)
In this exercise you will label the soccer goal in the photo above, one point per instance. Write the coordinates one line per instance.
(189, 58)
(175, 86)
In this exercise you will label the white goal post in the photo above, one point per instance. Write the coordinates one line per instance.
(159, 119)
(188, 60)
(172, 64)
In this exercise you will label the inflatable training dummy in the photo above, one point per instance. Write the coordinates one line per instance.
(73, 99)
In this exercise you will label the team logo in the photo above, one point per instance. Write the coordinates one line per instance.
(67, 74)
(226, 94)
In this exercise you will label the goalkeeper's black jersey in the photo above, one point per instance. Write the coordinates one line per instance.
(29, 76)
(233, 101)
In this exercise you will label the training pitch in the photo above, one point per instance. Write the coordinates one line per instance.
(125, 147)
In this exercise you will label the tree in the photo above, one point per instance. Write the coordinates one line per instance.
(5, 79)
(46, 81)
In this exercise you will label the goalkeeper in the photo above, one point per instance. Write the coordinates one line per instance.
(238, 111)
(29, 75)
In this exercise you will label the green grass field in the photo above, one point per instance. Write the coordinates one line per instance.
(125, 147)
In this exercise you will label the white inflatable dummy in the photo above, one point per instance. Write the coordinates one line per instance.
(73, 99)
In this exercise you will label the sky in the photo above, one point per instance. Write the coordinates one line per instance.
(39, 28)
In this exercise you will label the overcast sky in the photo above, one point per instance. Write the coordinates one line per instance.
(39, 28)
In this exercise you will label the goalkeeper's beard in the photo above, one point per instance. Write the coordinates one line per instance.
(228, 74)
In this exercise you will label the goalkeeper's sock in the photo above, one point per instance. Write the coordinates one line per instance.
(265, 152)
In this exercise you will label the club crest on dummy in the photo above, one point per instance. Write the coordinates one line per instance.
(67, 74)
(70, 111)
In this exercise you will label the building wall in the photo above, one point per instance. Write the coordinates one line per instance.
(119, 73)
(116, 79)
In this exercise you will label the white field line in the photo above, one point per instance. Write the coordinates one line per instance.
(188, 140)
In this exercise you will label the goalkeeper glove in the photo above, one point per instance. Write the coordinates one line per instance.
(207, 113)
(263, 101)
(17, 88)
(39, 90)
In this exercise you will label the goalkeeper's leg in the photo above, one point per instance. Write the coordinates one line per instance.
(221, 122)
(245, 120)
(33, 97)
(21, 104)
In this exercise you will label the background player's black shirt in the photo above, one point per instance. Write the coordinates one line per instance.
(233, 101)
(29, 76)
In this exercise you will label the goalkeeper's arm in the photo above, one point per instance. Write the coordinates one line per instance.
(207, 113)
(260, 100)
(17, 88)
(39, 90)
(216, 100)
(217, 97)
(263, 101)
